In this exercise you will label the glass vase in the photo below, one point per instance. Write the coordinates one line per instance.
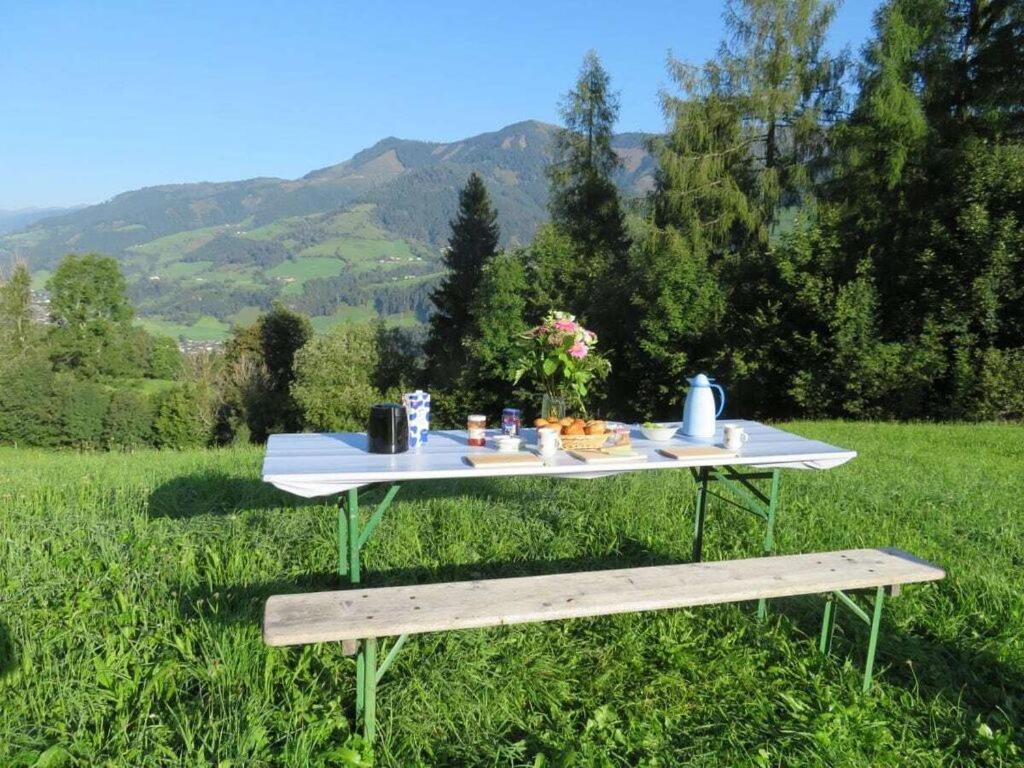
(552, 407)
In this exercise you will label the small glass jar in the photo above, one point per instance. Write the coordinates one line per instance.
(511, 422)
(476, 426)
(620, 434)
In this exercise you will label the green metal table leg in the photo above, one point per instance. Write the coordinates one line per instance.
(353, 535)
(876, 621)
(342, 541)
(701, 511)
(351, 539)
(828, 625)
(769, 536)
(370, 689)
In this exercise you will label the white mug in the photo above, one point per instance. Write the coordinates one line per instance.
(548, 441)
(735, 437)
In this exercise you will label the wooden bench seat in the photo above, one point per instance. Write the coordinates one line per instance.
(367, 614)
(354, 614)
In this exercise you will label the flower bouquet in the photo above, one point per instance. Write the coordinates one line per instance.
(558, 355)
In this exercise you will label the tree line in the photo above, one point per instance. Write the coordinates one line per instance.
(823, 249)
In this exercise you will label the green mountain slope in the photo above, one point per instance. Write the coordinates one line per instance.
(358, 238)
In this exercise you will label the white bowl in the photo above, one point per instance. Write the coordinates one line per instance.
(507, 443)
(659, 434)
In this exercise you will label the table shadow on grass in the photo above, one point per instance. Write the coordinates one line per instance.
(979, 684)
(8, 656)
(216, 493)
(235, 603)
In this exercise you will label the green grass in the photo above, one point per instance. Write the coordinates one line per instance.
(184, 269)
(39, 278)
(355, 222)
(206, 328)
(360, 252)
(173, 247)
(246, 316)
(302, 269)
(132, 588)
(361, 314)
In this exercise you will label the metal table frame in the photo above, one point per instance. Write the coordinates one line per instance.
(742, 485)
(308, 465)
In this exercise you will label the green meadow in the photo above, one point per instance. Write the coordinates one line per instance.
(205, 328)
(132, 589)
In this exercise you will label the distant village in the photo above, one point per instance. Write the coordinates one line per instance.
(40, 308)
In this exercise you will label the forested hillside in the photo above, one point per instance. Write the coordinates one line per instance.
(11, 221)
(357, 239)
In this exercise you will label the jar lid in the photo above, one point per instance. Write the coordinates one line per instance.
(477, 417)
(515, 411)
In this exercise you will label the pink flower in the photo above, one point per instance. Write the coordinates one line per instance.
(578, 350)
(568, 326)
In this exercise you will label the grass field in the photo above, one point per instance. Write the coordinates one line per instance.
(132, 588)
(300, 270)
(206, 328)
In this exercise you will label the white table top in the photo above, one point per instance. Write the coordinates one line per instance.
(323, 464)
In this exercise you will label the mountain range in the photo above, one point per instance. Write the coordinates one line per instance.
(13, 220)
(352, 240)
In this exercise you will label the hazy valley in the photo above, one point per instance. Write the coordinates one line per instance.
(354, 240)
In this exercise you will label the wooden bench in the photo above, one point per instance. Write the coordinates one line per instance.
(364, 615)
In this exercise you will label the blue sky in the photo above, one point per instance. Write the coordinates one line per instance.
(106, 96)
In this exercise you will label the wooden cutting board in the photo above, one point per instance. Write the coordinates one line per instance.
(598, 457)
(698, 452)
(502, 459)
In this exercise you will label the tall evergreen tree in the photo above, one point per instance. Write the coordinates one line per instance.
(473, 242)
(499, 317)
(749, 128)
(927, 183)
(584, 200)
(746, 134)
(586, 208)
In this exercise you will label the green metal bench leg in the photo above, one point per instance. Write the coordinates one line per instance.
(360, 680)
(769, 535)
(369, 688)
(701, 512)
(828, 625)
(876, 621)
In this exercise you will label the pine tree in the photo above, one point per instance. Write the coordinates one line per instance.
(473, 242)
(704, 166)
(499, 313)
(584, 200)
(586, 209)
(749, 130)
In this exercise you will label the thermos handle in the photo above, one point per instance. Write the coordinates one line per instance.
(721, 404)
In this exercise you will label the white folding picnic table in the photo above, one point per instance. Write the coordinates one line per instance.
(312, 465)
